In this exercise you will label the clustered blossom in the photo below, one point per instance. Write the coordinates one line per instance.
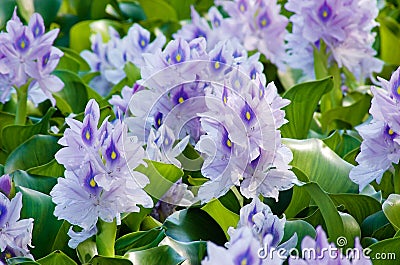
(111, 57)
(257, 25)
(344, 26)
(99, 181)
(15, 234)
(331, 255)
(27, 56)
(219, 99)
(380, 148)
(257, 228)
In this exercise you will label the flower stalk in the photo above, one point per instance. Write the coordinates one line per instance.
(22, 99)
(105, 238)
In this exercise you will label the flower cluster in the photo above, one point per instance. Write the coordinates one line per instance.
(111, 57)
(28, 57)
(220, 99)
(257, 25)
(381, 142)
(344, 26)
(323, 252)
(15, 234)
(99, 178)
(257, 228)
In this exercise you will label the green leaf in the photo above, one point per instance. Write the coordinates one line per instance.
(301, 228)
(21, 260)
(139, 240)
(328, 210)
(6, 10)
(155, 256)
(61, 241)
(5, 120)
(193, 252)
(304, 99)
(351, 229)
(17, 134)
(74, 93)
(38, 150)
(38, 183)
(87, 250)
(56, 258)
(158, 10)
(373, 223)
(224, 217)
(332, 172)
(189, 225)
(99, 260)
(50, 169)
(300, 198)
(389, 31)
(350, 115)
(47, 8)
(359, 206)
(40, 207)
(391, 208)
(342, 143)
(161, 177)
(388, 248)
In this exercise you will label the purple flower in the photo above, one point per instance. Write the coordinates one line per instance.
(381, 143)
(320, 251)
(344, 26)
(100, 181)
(5, 184)
(15, 234)
(26, 53)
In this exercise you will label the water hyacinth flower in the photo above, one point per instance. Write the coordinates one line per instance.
(109, 58)
(257, 228)
(344, 26)
(5, 184)
(333, 256)
(15, 234)
(380, 148)
(257, 25)
(99, 181)
(27, 55)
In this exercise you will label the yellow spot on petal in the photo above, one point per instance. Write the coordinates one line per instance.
(398, 90)
(248, 116)
(159, 122)
(225, 99)
(391, 132)
(178, 57)
(261, 93)
(142, 43)
(87, 135)
(242, 8)
(8, 255)
(244, 261)
(23, 44)
(264, 22)
(325, 14)
(237, 84)
(166, 142)
(217, 65)
(113, 155)
(180, 100)
(92, 183)
(229, 143)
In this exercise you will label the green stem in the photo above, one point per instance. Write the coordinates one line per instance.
(105, 238)
(22, 98)
(396, 179)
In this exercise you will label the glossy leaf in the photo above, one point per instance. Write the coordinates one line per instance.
(373, 223)
(389, 31)
(139, 240)
(99, 260)
(74, 93)
(386, 252)
(224, 217)
(193, 252)
(322, 165)
(22, 261)
(56, 258)
(50, 169)
(158, 10)
(189, 225)
(155, 256)
(304, 99)
(17, 134)
(391, 208)
(6, 10)
(38, 150)
(301, 228)
(38, 183)
(40, 207)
